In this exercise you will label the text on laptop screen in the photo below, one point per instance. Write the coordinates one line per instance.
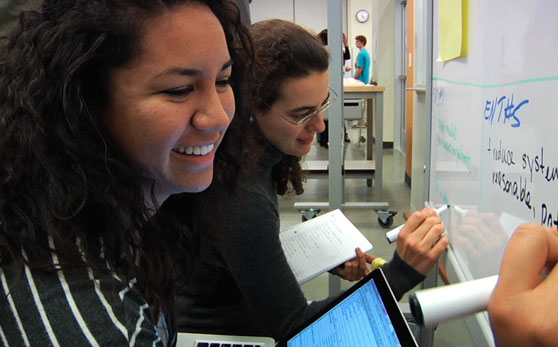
(359, 320)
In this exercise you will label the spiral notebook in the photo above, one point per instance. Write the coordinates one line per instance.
(320, 244)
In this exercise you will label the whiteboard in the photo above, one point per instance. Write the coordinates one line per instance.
(494, 129)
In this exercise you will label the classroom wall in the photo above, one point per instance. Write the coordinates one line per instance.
(266, 9)
(355, 28)
(383, 19)
(311, 14)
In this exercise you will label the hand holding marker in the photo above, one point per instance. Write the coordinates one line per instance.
(436, 305)
(392, 234)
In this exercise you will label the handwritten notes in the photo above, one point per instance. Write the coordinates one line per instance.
(494, 149)
(320, 244)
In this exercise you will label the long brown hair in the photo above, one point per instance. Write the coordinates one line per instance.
(284, 50)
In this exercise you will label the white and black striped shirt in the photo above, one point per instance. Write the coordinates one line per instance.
(81, 308)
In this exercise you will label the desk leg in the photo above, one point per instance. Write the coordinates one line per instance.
(369, 133)
(369, 128)
(379, 113)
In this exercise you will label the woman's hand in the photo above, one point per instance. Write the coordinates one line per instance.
(356, 268)
(421, 242)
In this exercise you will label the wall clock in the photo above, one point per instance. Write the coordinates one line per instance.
(362, 16)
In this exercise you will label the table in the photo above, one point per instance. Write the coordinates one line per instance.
(374, 96)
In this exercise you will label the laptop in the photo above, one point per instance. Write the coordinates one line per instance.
(367, 314)
(210, 340)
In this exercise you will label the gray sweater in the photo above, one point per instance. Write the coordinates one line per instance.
(243, 284)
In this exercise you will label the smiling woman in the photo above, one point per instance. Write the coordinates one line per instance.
(109, 107)
(171, 106)
(242, 283)
(298, 97)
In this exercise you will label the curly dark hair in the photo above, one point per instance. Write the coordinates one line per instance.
(61, 175)
(284, 50)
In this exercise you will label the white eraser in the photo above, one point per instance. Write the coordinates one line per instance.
(432, 306)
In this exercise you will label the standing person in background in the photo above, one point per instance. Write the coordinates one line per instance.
(522, 308)
(362, 65)
(242, 283)
(346, 51)
(107, 108)
(346, 56)
(323, 137)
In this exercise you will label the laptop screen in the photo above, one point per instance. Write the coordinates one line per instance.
(360, 318)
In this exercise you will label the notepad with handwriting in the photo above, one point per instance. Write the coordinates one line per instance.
(320, 244)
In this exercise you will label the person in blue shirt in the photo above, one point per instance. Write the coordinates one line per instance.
(362, 65)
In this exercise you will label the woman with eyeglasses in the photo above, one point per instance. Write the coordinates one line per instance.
(241, 283)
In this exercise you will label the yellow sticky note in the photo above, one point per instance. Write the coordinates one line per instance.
(453, 35)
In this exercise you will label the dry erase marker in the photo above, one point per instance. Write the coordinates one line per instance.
(392, 234)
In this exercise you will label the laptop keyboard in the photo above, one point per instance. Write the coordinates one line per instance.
(223, 344)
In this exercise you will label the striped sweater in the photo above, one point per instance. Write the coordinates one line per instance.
(81, 308)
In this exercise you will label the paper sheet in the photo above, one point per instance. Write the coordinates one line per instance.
(320, 244)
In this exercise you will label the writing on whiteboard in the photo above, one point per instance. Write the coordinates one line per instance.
(503, 110)
(501, 154)
(455, 151)
(547, 218)
(441, 193)
(438, 94)
(450, 130)
(514, 186)
(516, 179)
(536, 163)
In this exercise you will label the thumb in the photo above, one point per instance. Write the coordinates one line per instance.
(369, 258)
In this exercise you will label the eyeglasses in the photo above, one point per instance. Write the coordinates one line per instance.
(300, 119)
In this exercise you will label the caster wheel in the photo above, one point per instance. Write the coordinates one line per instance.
(362, 139)
(387, 223)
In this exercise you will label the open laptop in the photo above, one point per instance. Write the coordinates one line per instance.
(367, 314)
(209, 340)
